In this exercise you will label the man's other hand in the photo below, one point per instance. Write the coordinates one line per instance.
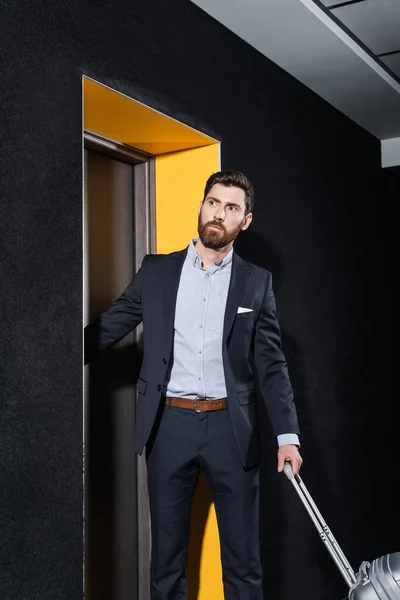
(290, 453)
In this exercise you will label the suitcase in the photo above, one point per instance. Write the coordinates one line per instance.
(378, 580)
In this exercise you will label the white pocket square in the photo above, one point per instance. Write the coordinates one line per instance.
(241, 309)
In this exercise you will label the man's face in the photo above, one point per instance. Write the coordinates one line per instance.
(222, 216)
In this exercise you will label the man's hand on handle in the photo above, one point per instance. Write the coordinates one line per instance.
(289, 452)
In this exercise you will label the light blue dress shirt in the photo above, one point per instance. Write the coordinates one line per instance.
(197, 370)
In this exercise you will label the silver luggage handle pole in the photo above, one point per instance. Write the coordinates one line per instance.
(325, 533)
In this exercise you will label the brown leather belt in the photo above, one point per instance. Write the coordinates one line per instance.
(197, 405)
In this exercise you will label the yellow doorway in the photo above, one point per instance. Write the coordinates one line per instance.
(184, 159)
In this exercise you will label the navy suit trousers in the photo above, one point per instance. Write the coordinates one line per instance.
(182, 444)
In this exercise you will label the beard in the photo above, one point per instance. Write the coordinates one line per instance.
(213, 238)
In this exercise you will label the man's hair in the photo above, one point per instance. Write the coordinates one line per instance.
(232, 179)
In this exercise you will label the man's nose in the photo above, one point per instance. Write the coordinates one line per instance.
(220, 214)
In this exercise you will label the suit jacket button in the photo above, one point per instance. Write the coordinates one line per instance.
(164, 361)
(159, 387)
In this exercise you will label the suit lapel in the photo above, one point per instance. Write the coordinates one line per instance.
(171, 275)
(237, 285)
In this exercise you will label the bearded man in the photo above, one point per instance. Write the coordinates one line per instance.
(212, 352)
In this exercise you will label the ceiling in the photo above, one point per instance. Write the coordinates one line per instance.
(348, 51)
(374, 23)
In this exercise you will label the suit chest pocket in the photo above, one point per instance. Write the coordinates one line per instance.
(245, 318)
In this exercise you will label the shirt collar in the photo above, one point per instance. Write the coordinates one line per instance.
(195, 258)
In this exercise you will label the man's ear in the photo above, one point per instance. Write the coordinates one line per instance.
(201, 204)
(247, 220)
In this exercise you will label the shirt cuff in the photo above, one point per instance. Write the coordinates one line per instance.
(288, 438)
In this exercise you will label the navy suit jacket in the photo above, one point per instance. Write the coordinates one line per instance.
(251, 347)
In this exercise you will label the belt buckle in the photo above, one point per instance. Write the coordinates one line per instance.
(194, 406)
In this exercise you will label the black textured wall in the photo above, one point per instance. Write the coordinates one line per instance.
(324, 224)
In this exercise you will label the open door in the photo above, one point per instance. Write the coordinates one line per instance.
(118, 223)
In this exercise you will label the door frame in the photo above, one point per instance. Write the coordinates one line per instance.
(144, 210)
(144, 164)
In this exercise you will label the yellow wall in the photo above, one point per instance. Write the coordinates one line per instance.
(180, 179)
(185, 158)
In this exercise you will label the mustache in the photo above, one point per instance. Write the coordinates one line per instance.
(214, 224)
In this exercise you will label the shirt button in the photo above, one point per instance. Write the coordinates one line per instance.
(207, 275)
(199, 351)
(204, 299)
(201, 326)
(200, 378)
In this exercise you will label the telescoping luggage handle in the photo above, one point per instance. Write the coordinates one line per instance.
(323, 529)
